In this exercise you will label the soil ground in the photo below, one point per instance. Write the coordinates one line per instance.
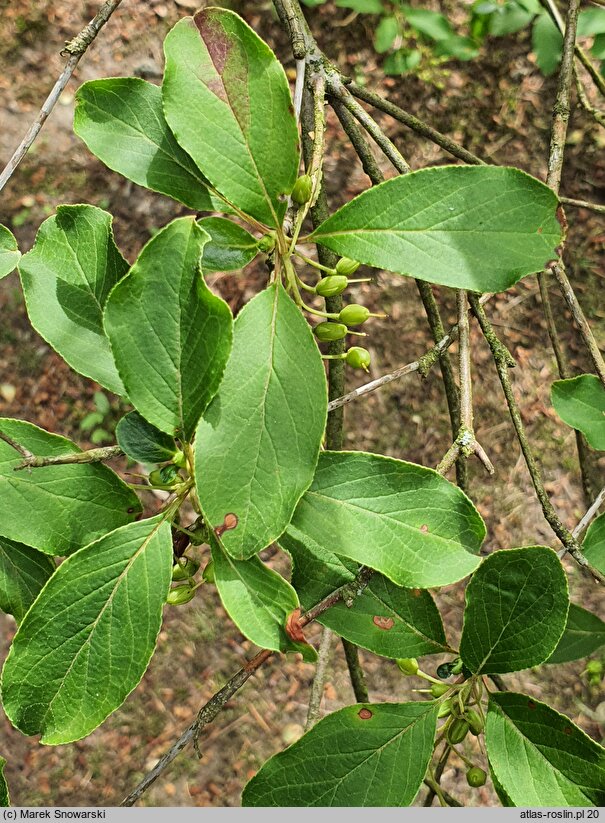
(498, 106)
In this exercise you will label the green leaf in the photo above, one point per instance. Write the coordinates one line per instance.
(580, 402)
(87, 640)
(9, 252)
(258, 443)
(540, 757)
(227, 100)
(401, 519)
(583, 635)
(516, 610)
(362, 6)
(122, 122)
(4, 797)
(66, 278)
(374, 755)
(230, 246)
(598, 47)
(386, 34)
(384, 618)
(170, 335)
(472, 227)
(23, 573)
(460, 48)
(430, 23)
(257, 599)
(591, 22)
(593, 544)
(509, 19)
(401, 61)
(547, 44)
(143, 442)
(57, 509)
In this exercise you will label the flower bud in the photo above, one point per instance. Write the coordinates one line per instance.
(184, 568)
(208, 573)
(302, 191)
(332, 285)
(358, 358)
(476, 777)
(354, 315)
(407, 665)
(327, 332)
(180, 595)
(439, 689)
(474, 720)
(457, 731)
(347, 266)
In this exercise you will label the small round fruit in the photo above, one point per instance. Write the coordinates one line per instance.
(328, 332)
(457, 731)
(476, 777)
(302, 191)
(332, 285)
(475, 721)
(408, 665)
(184, 568)
(354, 315)
(347, 266)
(439, 689)
(358, 358)
(180, 595)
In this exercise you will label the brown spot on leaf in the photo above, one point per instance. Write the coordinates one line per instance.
(567, 730)
(424, 528)
(229, 523)
(131, 510)
(385, 623)
(417, 592)
(214, 37)
(293, 628)
(364, 714)
(531, 705)
(540, 229)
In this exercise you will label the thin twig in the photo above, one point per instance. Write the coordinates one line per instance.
(89, 456)
(356, 675)
(597, 115)
(582, 204)
(75, 48)
(317, 689)
(16, 446)
(590, 514)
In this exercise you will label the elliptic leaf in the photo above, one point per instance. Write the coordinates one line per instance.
(540, 757)
(257, 445)
(258, 600)
(593, 544)
(547, 43)
(122, 122)
(66, 278)
(57, 509)
(87, 640)
(516, 610)
(142, 441)
(227, 101)
(471, 227)
(583, 635)
(9, 252)
(580, 402)
(230, 246)
(170, 335)
(374, 755)
(4, 797)
(384, 618)
(23, 573)
(401, 519)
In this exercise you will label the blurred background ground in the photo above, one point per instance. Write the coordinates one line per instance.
(499, 107)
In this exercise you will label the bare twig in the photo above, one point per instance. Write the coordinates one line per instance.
(90, 456)
(597, 115)
(590, 514)
(582, 204)
(356, 675)
(581, 55)
(16, 446)
(75, 48)
(317, 689)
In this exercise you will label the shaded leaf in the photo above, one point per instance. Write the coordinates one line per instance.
(540, 757)
(583, 635)
(23, 573)
(9, 252)
(227, 101)
(86, 642)
(66, 278)
(580, 402)
(401, 519)
(67, 505)
(449, 225)
(258, 442)
(230, 246)
(516, 610)
(143, 442)
(4, 797)
(374, 755)
(593, 544)
(170, 335)
(384, 618)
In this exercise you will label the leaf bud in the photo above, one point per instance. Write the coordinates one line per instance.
(476, 777)
(358, 358)
(347, 266)
(327, 332)
(354, 315)
(332, 285)
(457, 731)
(180, 595)
(407, 665)
(302, 191)
(184, 568)
(474, 720)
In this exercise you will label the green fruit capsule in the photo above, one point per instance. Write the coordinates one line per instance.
(180, 460)
(302, 191)
(439, 689)
(180, 595)
(476, 777)
(475, 721)
(184, 568)
(354, 315)
(157, 478)
(347, 266)
(445, 709)
(457, 731)
(358, 358)
(332, 285)
(327, 332)
(169, 474)
(208, 573)
(408, 665)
